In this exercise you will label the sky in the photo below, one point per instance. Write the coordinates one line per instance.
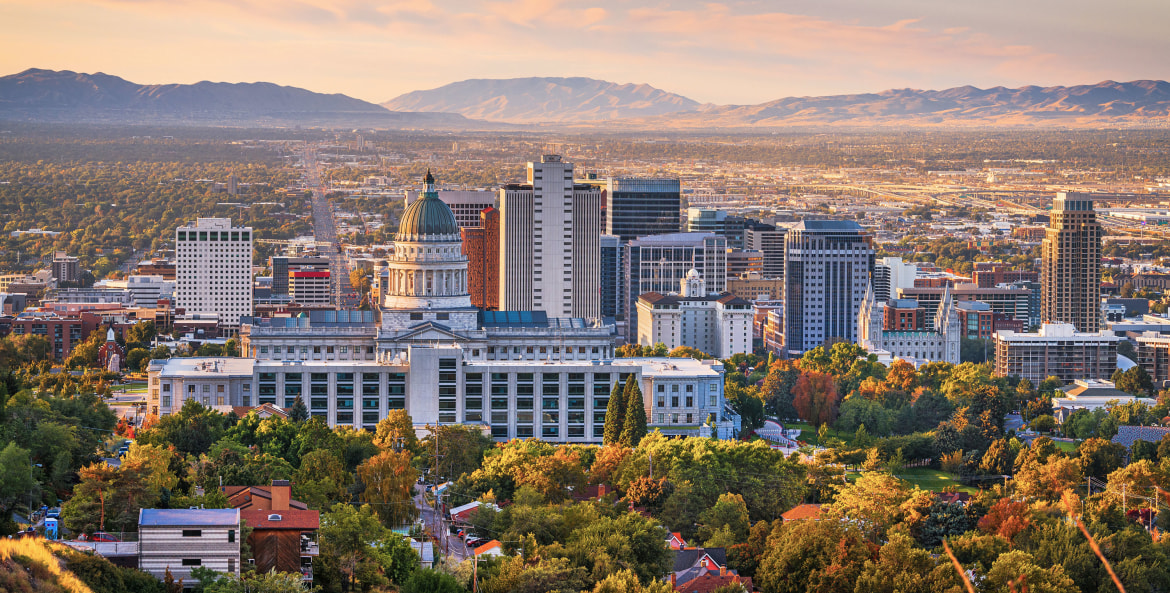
(719, 52)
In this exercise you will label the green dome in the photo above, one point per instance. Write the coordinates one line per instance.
(427, 217)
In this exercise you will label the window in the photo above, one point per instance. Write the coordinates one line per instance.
(231, 535)
(192, 562)
(192, 533)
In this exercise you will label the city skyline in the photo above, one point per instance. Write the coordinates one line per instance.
(378, 50)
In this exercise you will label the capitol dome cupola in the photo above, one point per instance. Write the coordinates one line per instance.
(428, 218)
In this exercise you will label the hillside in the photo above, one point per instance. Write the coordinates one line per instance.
(64, 96)
(537, 100)
(1141, 102)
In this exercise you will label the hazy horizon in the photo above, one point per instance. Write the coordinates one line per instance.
(732, 53)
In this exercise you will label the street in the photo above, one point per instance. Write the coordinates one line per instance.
(325, 231)
(450, 545)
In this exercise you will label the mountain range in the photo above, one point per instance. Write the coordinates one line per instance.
(540, 100)
(581, 103)
(41, 95)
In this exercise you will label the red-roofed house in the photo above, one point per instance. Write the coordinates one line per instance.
(803, 511)
(676, 541)
(284, 540)
(712, 581)
(492, 548)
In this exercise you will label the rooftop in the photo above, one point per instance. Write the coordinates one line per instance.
(828, 225)
(688, 239)
(189, 517)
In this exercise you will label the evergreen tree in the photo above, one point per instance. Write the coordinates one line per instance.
(615, 415)
(298, 412)
(634, 427)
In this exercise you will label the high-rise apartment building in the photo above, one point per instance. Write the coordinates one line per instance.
(550, 234)
(768, 240)
(827, 269)
(657, 263)
(213, 270)
(1070, 276)
(66, 267)
(611, 277)
(890, 274)
(481, 246)
(636, 207)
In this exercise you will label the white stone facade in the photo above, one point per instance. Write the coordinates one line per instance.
(719, 325)
(936, 345)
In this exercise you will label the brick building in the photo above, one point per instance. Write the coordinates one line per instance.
(481, 246)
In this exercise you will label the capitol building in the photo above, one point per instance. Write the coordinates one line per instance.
(518, 374)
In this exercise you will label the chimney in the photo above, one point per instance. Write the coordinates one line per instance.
(722, 571)
(281, 492)
(672, 580)
(600, 491)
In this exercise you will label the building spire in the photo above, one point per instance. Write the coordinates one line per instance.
(429, 183)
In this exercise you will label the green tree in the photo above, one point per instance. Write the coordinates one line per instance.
(426, 580)
(729, 512)
(634, 427)
(136, 359)
(346, 534)
(1099, 457)
(298, 412)
(1135, 381)
(396, 431)
(107, 499)
(141, 333)
(615, 415)
(1016, 565)
(192, 430)
(16, 477)
(899, 568)
(460, 448)
(1043, 423)
(321, 480)
(609, 544)
(813, 556)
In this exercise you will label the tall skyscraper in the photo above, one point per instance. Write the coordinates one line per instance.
(550, 232)
(636, 207)
(213, 269)
(611, 277)
(657, 263)
(481, 245)
(827, 270)
(1070, 276)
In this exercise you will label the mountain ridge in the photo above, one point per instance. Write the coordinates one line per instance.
(544, 100)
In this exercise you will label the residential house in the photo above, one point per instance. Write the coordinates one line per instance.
(712, 581)
(461, 515)
(284, 531)
(284, 540)
(179, 540)
(802, 511)
(692, 563)
(676, 541)
(492, 548)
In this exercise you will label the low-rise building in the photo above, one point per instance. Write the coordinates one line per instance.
(1058, 350)
(1091, 394)
(719, 325)
(179, 540)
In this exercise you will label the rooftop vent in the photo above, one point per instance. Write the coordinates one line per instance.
(274, 517)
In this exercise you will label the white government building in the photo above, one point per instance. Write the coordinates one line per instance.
(717, 324)
(519, 374)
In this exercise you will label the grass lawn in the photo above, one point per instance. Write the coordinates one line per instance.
(1066, 446)
(933, 479)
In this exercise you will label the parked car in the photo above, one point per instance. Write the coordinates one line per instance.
(102, 536)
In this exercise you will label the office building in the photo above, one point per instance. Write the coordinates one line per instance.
(768, 240)
(1153, 352)
(754, 286)
(720, 222)
(282, 265)
(214, 269)
(1012, 302)
(989, 274)
(1070, 276)
(903, 315)
(1057, 350)
(891, 274)
(465, 204)
(657, 263)
(481, 246)
(827, 271)
(741, 263)
(66, 268)
(310, 287)
(611, 278)
(635, 207)
(979, 321)
(550, 252)
(717, 324)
